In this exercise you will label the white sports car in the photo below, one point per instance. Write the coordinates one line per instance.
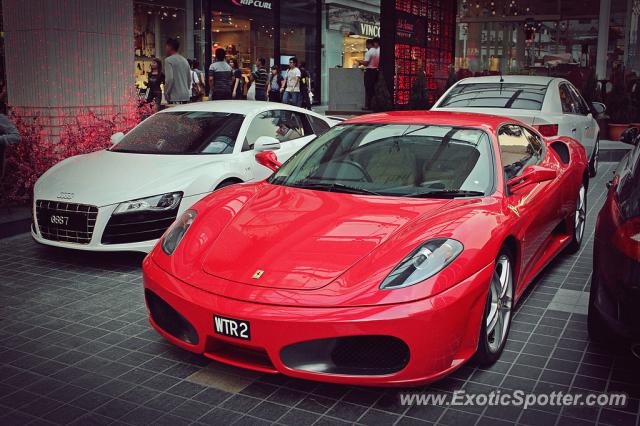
(550, 104)
(125, 197)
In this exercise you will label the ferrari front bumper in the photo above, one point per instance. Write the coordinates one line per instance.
(429, 338)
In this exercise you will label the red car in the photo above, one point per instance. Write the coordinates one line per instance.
(388, 251)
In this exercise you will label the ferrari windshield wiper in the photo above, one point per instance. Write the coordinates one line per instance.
(446, 193)
(334, 187)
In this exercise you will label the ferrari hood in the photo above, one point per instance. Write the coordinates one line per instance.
(297, 239)
(105, 177)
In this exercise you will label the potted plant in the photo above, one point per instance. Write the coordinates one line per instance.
(419, 95)
(620, 110)
(381, 100)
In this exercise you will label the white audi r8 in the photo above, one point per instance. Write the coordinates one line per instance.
(125, 197)
(550, 104)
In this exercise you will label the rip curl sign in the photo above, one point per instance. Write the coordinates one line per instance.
(253, 3)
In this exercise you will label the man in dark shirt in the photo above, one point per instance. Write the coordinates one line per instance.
(8, 136)
(220, 77)
(260, 78)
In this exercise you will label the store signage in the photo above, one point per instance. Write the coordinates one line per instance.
(369, 30)
(253, 3)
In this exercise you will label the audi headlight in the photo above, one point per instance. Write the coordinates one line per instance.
(177, 231)
(422, 263)
(161, 202)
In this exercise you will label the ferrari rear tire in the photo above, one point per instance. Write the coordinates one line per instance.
(595, 323)
(496, 319)
(579, 219)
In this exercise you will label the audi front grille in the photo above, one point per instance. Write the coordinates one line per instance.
(66, 222)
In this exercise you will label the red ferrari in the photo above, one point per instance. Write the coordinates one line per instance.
(388, 251)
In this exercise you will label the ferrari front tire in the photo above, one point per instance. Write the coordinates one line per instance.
(579, 219)
(496, 319)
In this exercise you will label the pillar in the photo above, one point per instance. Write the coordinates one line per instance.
(603, 39)
(66, 57)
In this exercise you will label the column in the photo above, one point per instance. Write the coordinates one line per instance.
(603, 39)
(66, 57)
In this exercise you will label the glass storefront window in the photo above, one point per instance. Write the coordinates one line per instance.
(298, 35)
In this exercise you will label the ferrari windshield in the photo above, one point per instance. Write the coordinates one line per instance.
(183, 132)
(412, 160)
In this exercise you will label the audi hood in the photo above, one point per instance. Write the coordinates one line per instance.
(105, 177)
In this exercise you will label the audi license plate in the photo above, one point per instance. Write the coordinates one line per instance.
(64, 220)
(230, 327)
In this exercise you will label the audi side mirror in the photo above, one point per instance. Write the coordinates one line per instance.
(116, 137)
(598, 107)
(266, 143)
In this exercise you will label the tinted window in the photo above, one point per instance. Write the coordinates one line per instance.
(496, 95)
(280, 124)
(186, 132)
(581, 105)
(519, 148)
(394, 159)
(319, 125)
(567, 101)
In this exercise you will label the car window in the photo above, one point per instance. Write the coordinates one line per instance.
(567, 101)
(519, 148)
(280, 124)
(581, 105)
(495, 95)
(184, 132)
(318, 125)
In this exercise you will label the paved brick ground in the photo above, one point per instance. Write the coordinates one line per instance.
(75, 347)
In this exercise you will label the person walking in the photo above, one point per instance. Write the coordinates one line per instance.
(177, 74)
(275, 83)
(9, 135)
(237, 84)
(260, 78)
(291, 84)
(220, 75)
(371, 63)
(155, 80)
(305, 86)
(197, 81)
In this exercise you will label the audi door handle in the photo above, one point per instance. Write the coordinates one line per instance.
(574, 130)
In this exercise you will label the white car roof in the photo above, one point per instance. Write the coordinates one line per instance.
(235, 107)
(519, 79)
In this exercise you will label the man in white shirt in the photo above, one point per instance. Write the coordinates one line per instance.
(291, 84)
(371, 63)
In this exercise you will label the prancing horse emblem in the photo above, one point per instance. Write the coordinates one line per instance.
(514, 209)
(257, 274)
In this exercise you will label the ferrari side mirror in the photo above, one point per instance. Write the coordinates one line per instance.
(630, 136)
(268, 159)
(531, 174)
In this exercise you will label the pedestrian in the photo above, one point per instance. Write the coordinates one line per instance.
(197, 81)
(237, 82)
(8, 136)
(177, 75)
(291, 84)
(305, 86)
(260, 78)
(155, 80)
(371, 63)
(220, 75)
(275, 83)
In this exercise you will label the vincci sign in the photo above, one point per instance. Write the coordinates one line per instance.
(253, 3)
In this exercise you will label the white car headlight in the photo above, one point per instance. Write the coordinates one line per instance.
(161, 202)
(422, 263)
(177, 231)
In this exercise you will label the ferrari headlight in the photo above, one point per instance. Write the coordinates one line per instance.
(161, 202)
(422, 263)
(177, 231)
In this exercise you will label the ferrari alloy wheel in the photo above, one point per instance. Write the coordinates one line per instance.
(497, 314)
(579, 219)
(593, 164)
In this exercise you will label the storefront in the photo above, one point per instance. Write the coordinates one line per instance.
(556, 37)
(347, 25)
